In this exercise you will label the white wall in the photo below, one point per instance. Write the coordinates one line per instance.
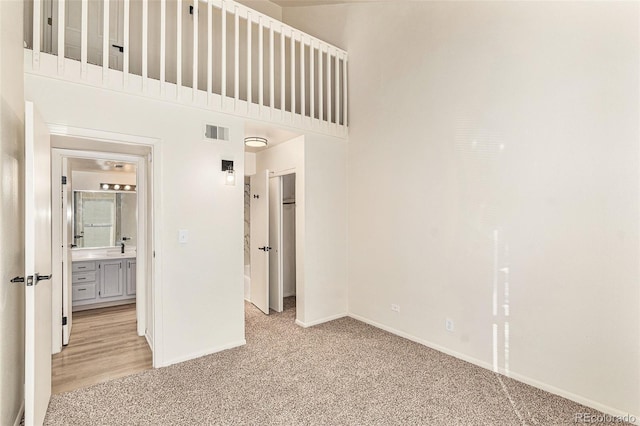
(319, 163)
(200, 307)
(498, 135)
(326, 227)
(90, 181)
(11, 212)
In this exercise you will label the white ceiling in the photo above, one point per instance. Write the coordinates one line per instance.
(95, 165)
(274, 135)
(298, 3)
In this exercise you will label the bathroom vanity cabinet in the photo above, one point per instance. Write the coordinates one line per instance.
(103, 282)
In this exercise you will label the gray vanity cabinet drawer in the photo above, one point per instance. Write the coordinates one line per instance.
(83, 277)
(83, 266)
(84, 292)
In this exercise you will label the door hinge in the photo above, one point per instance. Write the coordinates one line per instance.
(49, 21)
(154, 254)
(64, 180)
(256, 196)
(64, 320)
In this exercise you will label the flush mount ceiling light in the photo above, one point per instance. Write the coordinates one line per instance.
(255, 142)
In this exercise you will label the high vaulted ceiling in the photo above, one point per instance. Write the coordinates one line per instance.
(297, 3)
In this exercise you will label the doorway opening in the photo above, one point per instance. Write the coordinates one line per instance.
(102, 290)
(270, 219)
(282, 240)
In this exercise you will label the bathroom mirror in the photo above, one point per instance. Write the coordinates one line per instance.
(104, 218)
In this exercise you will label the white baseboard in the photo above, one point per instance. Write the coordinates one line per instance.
(19, 416)
(320, 321)
(631, 418)
(204, 353)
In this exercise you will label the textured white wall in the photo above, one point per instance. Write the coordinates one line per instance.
(11, 211)
(497, 135)
(201, 307)
(91, 181)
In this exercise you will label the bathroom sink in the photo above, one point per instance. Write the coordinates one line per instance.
(126, 254)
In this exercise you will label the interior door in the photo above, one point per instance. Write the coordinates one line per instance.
(37, 268)
(73, 34)
(275, 242)
(67, 241)
(260, 240)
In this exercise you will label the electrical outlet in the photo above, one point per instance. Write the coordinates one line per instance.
(395, 308)
(448, 324)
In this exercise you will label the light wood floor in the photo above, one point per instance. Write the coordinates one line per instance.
(104, 345)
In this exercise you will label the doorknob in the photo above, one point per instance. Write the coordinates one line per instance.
(22, 279)
(264, 248)
(37, 277)
(120, 48)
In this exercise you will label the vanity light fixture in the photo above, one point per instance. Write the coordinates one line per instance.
(117, 187)
(255, 142)
(229, 173)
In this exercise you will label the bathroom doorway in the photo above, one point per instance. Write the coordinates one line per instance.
(103, 230)
(102, 222)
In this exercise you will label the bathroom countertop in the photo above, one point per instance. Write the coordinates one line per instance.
(101, 254)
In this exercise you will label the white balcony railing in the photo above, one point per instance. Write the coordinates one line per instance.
(216, 54)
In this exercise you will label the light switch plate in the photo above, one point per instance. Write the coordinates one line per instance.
(183, 236)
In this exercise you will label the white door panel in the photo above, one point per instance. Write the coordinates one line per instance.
(67, 240)
(260, 241)
(37, 263)
(95, 30)
(275, 241)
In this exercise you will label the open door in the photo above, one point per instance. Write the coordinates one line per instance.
(275, 241)
(260, 240)
(67, 245)
(37, 268)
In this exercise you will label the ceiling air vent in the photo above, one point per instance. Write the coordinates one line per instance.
(216, 132)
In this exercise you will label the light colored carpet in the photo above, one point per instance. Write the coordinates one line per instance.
(340, 373)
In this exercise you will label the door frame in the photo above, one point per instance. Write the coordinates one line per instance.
(298, 242)
(92, 140)
(62, 287)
